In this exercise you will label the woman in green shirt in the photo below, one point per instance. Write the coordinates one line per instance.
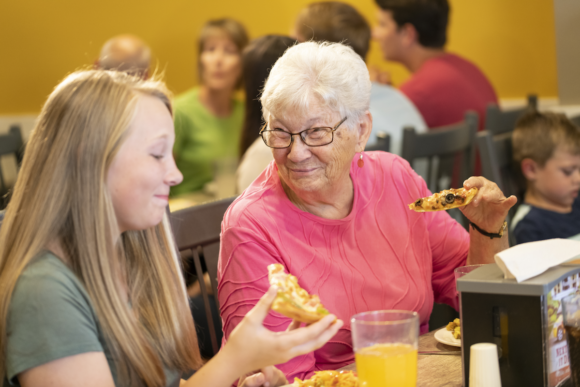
(91, 289)
(208, 118)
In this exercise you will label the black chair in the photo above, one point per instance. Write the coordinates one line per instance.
(197, 234)
(11, 143)
(383, 143)
(497, 166)
(499, 121)
(441, 147)
(496, 161)
(575, 120)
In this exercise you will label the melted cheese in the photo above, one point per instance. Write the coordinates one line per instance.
(329, 378)
(288, 284)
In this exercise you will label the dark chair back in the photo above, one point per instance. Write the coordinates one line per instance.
(496, 159)
(197, 234)
(575, 120)
(499, 121)
(440, 146)
(497, 166)
(11, 143)
(383, 143)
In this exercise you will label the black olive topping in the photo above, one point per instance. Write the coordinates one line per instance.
(449, 198)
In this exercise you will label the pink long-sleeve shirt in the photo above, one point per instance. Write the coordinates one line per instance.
(381, 256)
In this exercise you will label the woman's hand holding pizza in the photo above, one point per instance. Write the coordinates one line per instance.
(489, 208)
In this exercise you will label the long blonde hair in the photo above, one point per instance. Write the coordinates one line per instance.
(61, 196)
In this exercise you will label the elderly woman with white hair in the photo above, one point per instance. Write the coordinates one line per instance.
(336, 217)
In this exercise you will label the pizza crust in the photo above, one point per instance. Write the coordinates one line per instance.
(444, 200)
(293, 301)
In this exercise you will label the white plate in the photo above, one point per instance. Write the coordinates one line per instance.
(446, 337)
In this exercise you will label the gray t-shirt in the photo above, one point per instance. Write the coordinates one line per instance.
(51, 317)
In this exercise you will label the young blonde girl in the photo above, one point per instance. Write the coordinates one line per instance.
(91, 290)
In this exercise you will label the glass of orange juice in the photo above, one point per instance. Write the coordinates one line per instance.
(385, 346)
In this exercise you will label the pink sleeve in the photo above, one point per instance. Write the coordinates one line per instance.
(449, 248)
(243, 279)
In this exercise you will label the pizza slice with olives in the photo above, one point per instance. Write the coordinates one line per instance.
(444, 200)
(293, 301)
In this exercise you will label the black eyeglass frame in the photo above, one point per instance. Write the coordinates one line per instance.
(300, 134)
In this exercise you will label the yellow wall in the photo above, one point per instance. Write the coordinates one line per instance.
(41, 41)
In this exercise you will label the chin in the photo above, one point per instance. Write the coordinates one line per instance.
(220, 85)
(305, 186)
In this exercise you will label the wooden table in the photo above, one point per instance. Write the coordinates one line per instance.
(433, 370)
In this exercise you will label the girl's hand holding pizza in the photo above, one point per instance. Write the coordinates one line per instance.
(261, 347)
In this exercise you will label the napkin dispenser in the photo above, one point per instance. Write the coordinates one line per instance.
(524, 320)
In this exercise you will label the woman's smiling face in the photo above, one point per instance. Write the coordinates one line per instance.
(310, 169)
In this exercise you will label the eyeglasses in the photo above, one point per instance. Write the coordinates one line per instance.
(280, 139)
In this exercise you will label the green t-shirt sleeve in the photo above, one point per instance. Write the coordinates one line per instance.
(182, 125)
(49, 318)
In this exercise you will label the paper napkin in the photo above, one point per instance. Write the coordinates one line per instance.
(531, 259)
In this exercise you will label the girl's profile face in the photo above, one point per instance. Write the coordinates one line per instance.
(143, 170)
(221, 63)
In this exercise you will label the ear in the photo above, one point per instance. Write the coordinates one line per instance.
(96, 64)
(364, 128)
(409, 35)
(529, 169)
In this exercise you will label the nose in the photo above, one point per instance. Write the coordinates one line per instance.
(173, 175)
(298, 150)
(576, 176)
(219, 57)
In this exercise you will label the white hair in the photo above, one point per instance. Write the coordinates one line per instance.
(332, 73)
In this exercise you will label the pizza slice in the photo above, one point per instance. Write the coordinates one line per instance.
(293, 301)
(329, 378)
(444, 200)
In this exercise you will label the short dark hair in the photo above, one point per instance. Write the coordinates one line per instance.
(429, 17)
(258, 59)
(335, 22)
(537, 135)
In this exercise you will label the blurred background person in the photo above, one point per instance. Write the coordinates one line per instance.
(341, 23)
(208, 118)
(443, 86)
(258, 59)
(126, 53)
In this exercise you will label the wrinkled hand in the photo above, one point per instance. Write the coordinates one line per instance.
(490, 207)
(258, 347)
(267, 377)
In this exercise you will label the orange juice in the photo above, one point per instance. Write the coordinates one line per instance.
(384, 365)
